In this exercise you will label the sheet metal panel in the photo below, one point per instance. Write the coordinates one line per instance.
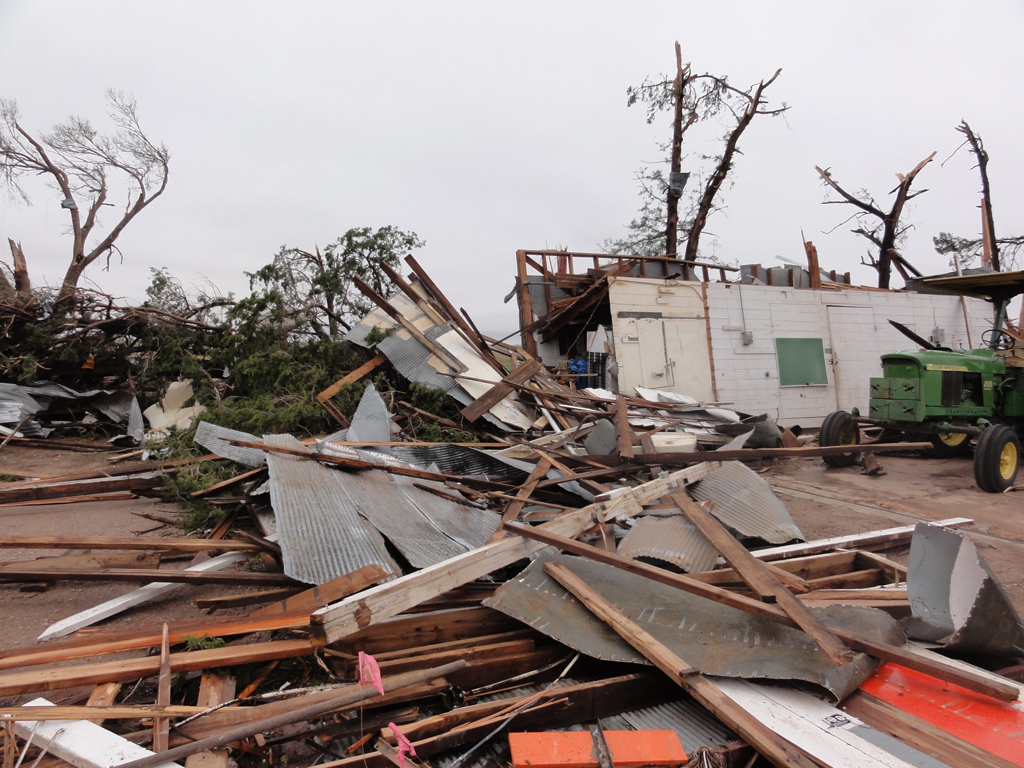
(214, 439)
(375, 495)
(744, 501)
(461, 460)
(672, 539)
(469, 526)
(695, 726)
(371, 421)
(320, 531)
(716, 639)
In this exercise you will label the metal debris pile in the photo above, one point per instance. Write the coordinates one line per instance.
(583, 592)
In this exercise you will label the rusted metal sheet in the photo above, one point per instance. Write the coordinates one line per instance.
(744, 502)
(672, 539)
(320, 532)
(714, 638)
(955, 598)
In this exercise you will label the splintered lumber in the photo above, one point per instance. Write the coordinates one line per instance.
(38, 491)
(750, 454)
(28, 713)
(362, 693)
(623, 434)
(905, 656)
(353, 376)
(381, 602)
(161, 725)
(501, 390)
(229, 482)
(773, 747)
(132, 669)
(887, 537)
(515, 506)
(84, 744)
(401, 633)
(761, 580)
(244, 599)
(328, 592)
(101, 696)
(436, 349)
(144, 574)
(141, 595)
(214, 690)
(163, 543)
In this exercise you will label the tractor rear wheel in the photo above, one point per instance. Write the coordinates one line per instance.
(996, 459)
(949, 445)
(839, 428)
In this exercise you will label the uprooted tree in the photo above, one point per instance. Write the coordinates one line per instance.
(996, 252)
(884, 229)
(82, 164)
(693, 98)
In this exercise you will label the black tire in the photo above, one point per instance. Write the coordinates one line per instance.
(996, 459)
(949, 445)
(839, 428)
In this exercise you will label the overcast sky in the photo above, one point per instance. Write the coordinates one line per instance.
(486, 127)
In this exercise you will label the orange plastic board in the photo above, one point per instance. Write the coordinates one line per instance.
(979, 720)
(575, 749)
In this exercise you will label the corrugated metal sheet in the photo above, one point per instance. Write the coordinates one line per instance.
(744, 501)
(695, 725)
(377, 497)
(320, 532)
(469, 526)
(715, 638)
(672, 539)
(462, 460)
(214, 439)
(377, 318)
(371, 421)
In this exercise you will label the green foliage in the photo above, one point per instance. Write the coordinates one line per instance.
(194, 643)
(5, 478)
(378, 334)
(969, 250)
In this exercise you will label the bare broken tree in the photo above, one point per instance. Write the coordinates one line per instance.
(888, 231)
(80, 161)
(997, 252)
(693, 98)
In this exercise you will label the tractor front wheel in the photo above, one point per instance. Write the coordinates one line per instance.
(996, 459)
(839, 428)
(949, 445)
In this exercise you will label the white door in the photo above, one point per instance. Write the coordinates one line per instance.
(854, 355)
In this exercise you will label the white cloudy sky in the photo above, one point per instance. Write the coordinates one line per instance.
(488, 127)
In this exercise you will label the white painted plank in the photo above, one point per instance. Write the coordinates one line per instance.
(82, 743)
(818, 729)
(136, 597)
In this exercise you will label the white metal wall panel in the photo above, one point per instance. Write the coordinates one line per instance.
(747, 375)
(660, 334)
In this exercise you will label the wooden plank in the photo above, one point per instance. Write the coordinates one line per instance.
(623, 434)
(514, 507)
(228, 483)
(501, 390)
(777, 750)
(405, 287)
(144, 574)
(214, 689)
(161, 725)
(160, 543)
(921, 734)
(132, 669)
(896, 572)
(102, 696)
(120, 559)
(806, 567)
(109, 712)
(930, 664)
(362, 692)
(399, 634)
(34, 492)
(84, 744)
(381, 602)
(762, 581)
(246, 598)
(816, 727)
(871, 577)
(115, 605)
(751, 454)
(353, 376)
(886, 536)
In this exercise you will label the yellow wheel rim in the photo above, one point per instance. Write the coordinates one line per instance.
(1008, 461)
(952, 439)
(849, 435)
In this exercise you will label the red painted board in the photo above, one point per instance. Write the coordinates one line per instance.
(575, 749)
(980, 720)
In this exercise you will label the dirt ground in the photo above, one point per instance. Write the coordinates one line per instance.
(824, 502)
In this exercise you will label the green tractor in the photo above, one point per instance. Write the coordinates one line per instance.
(952, 396)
